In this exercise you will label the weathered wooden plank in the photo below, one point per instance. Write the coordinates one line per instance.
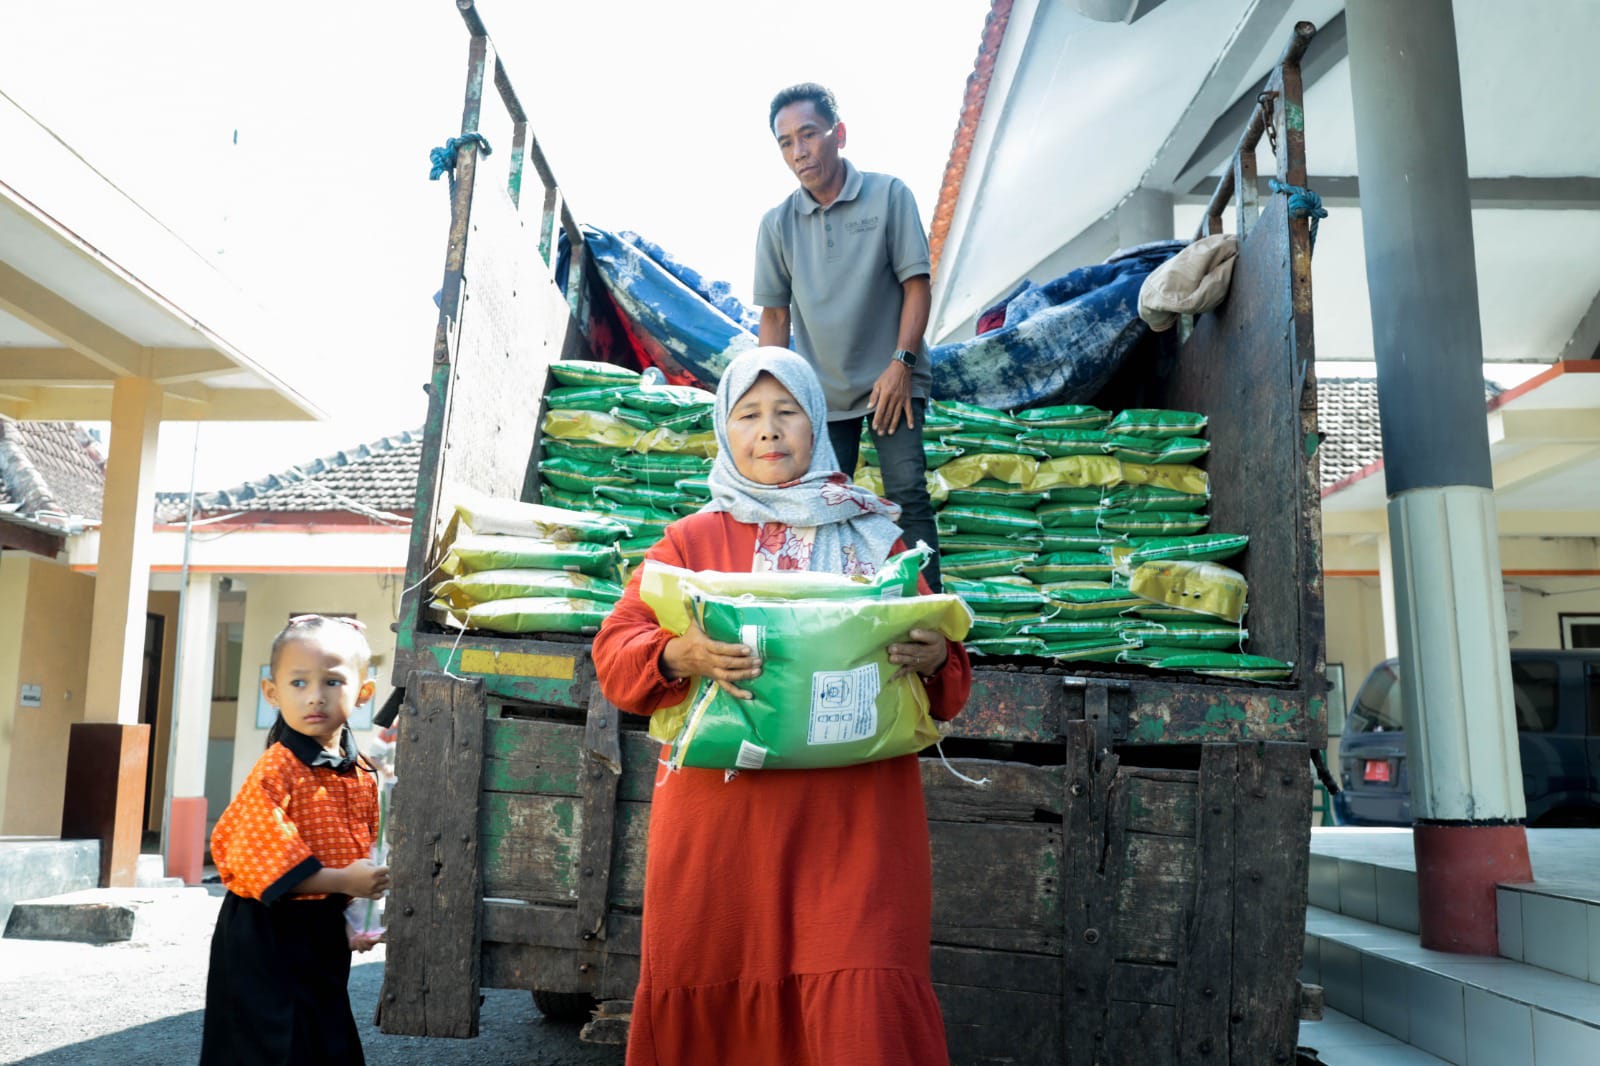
(1151, 913)
(997, 886)
(1135, 982)
(1016, 792)
(543, 925)
(993, 1027)
(1092, 855)
(602, 767)
(1206, 965)
(522, 755)
(1014, 971)
(1140, 1034)
(531, 848)
(1161, 806)
(1272, 842)
(431, 979)
(607, 974)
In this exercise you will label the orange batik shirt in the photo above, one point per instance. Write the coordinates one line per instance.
(293, 818)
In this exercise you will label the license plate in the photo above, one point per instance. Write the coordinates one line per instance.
(1376, 770)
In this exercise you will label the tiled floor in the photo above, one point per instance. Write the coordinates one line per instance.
(1340, 1040)
(1570, 857)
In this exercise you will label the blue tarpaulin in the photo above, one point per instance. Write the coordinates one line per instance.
(1061, 341)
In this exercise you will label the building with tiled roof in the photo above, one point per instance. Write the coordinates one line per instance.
(50, 472)
(1347, 417)
(377, 480)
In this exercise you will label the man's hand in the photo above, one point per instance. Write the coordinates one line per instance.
(364, 879)
(891, 398)
(696, 655)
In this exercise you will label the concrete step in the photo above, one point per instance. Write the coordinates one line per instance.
(1340, 1040)
(152, 873)
(44, 866)
(1466, 1010)
(1553, 925)
(109, 915)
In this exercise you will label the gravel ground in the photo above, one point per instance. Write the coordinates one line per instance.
(140, 1002)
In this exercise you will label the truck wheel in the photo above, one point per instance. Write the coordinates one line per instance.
(564, 1006)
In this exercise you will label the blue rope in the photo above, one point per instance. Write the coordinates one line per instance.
(1303, 203)
(444, 159)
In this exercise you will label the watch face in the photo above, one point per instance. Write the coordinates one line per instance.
(907, 357)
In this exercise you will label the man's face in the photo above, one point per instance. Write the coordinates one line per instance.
(810, 146)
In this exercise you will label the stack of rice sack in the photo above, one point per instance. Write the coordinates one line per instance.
(636, 452)
(515, 567)
(1077, 534)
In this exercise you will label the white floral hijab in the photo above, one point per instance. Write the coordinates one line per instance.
(822, 521)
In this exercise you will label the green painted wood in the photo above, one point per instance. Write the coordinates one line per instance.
(531, 847)
(545, 758)
(997, 886)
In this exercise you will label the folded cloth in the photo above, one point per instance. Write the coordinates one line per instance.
(1190, 283)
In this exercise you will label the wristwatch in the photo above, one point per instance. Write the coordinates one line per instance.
(906, 356)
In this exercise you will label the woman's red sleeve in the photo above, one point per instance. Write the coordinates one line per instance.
(627, 650)
(949, 687)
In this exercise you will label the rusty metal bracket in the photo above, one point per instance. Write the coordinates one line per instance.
(1097, 708)
(602, 770)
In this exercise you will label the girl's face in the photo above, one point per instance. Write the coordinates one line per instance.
(316, 685)
(769, 434)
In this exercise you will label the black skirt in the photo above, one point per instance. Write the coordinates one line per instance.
(278, 991)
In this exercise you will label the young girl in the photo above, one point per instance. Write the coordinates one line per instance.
(292, 849)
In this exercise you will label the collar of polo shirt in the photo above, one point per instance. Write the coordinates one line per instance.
(852, 187)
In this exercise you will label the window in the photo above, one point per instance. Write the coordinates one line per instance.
(1337, 700)
(1592, 676)
(229, 658)
(1580, 630)
(1536, 690)
(1378, 707)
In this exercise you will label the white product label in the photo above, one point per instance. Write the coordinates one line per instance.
(751, 636)
(844, 705)
(891, 592)
(750, 756)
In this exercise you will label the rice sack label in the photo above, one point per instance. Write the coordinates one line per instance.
(827, 694)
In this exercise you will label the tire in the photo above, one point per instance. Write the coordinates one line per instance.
(564, 1007)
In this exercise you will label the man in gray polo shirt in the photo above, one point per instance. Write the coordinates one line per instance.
(844, 261)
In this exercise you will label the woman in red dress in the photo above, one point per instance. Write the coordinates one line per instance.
(787, 912)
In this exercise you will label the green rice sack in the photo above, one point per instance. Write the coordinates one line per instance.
(698, 486)
(597, 427)
(991, 493)
(551, 496)
(935, 426)
(585, 398)
(1205, 588)
(871, 479)
(1069, 566)
(1213, 663)
(1179, 477)
(1058, 443)
(934, 453)
(1077, 471)
(1072, 603)
(1006, 646)
(636, 495)
(583, 450)
(1056, 516)
(1156, 422)
(994, 443)
(955, 543)
(473, 552)
(686, 422)
(1152, 523)
(1160, 612)
(1076, 539)
(1220, 636)
(827, 694)
(994, 596)
(970, 469)
(642, 521)
(977, 565)
(1159, 450)
(658, 469)
(483, 586)
(975, 419)
(485, 514)
(1151, 498)
(1096, 649)
(633, 548)
(1063, 416)
(989, 520)
(592, 373)
(533, 614)
(672, 399)
(575, 475)
(1070, 494)
(1212, 547)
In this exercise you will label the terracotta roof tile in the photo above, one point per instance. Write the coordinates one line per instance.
(1347, 417)
(944, 209)
(50, 471)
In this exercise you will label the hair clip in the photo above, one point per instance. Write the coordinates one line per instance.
(305, 619)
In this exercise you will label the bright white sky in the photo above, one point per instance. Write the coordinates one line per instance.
(652, 114)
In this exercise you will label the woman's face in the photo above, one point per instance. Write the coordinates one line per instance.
(770, 434)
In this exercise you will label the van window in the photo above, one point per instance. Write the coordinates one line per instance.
(1593, 676)
(1378, 708)
(1536, 688)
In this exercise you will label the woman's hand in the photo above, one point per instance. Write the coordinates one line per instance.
(924, 651)
(696, 655)
(365, 880)
(363, 941)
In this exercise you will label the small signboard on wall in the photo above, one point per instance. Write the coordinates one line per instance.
(32, 696)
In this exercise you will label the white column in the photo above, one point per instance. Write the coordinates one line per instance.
(197, 637)
(122, 574)
(1460, 721)
(1391, 632)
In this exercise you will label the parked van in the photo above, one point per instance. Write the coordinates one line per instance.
(1557, 696)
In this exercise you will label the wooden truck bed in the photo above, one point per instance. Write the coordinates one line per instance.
(1129, 888)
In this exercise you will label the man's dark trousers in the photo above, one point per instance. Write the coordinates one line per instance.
(904, 477)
